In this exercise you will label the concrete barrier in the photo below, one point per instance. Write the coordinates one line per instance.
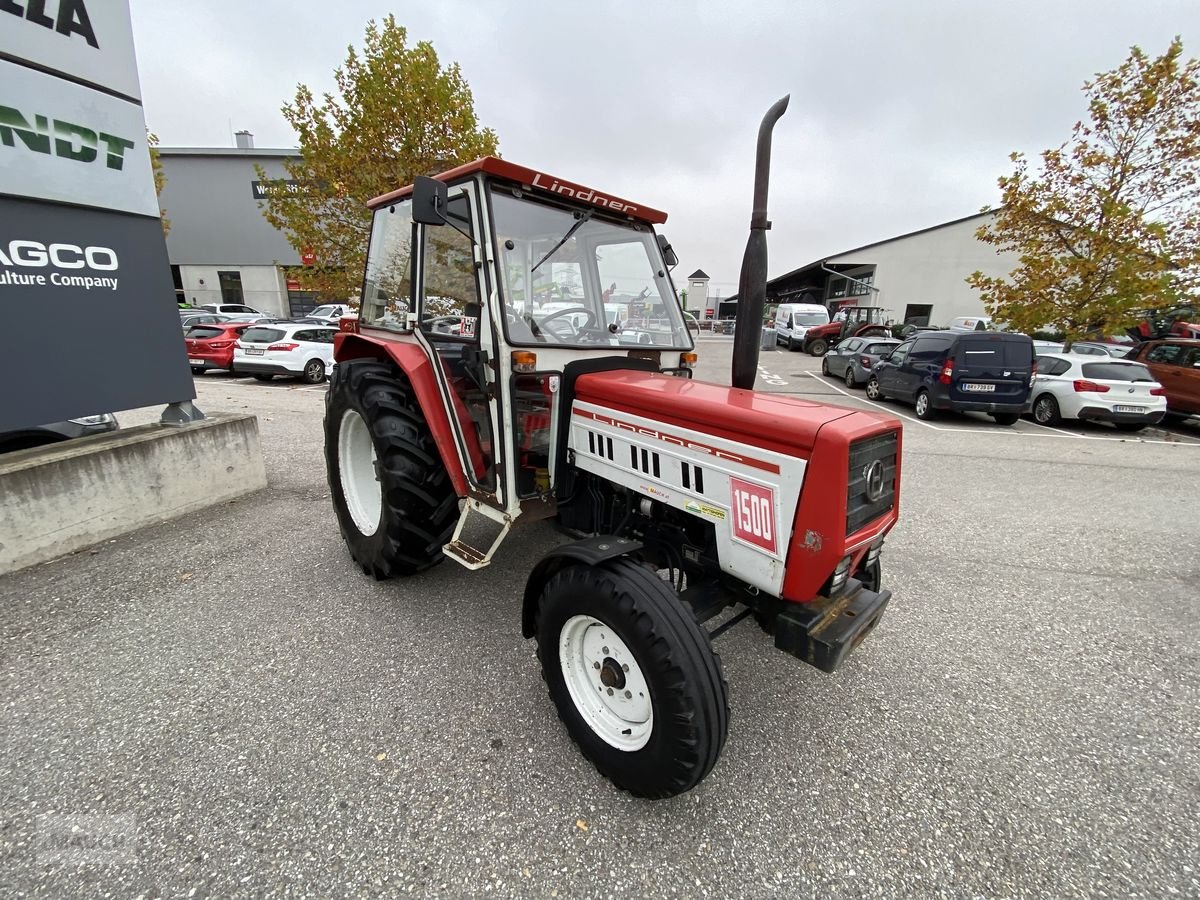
(54, 500)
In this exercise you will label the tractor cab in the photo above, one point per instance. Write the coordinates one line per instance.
(500, 278)
(862, 321)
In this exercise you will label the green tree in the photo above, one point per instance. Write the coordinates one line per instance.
(1110, 225)
(398, 113)
(160, 177)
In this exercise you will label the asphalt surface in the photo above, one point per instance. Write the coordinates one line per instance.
(249, 715)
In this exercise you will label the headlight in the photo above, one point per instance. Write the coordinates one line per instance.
(102, 419)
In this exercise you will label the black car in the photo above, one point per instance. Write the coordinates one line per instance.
(41, 435)
(973, 371)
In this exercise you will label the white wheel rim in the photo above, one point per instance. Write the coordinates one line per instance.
(606, 683)
(356, 470)
(922, 405)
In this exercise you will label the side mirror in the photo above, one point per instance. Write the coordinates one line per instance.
(668, 252)
(429, 201)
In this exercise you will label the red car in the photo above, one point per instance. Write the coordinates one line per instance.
(211, 346)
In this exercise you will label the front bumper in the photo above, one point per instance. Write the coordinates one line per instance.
(1103, 414)
(825, 631)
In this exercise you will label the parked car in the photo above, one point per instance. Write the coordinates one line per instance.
(911, 330)
(211, 346)
(330, 313)
(853, 359)
(792, 321)
(201, 319)
(1098, 389)
(56, 432)
(1175, 364)
(1100, 348)
(972, 323)
(295, 349)
(232, 309)
(252, 318)
(970, 371)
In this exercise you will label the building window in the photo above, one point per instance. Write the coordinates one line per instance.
(231, 287)
(861, 284)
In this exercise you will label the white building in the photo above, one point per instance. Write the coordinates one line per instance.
(916, 276)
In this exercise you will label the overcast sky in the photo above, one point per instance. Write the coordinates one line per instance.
(902, 114)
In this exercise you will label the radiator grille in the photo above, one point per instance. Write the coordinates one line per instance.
(864, 480)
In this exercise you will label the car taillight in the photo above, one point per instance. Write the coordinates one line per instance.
(221, 345)
(1158, 392)
(866, 362)
(1083, 386)
(283, 347)
(947, 372)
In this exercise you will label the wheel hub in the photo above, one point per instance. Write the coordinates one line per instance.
(611, 674)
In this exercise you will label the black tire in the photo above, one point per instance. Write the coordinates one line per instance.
(924, 405)
(874, 391)
(1045, 411)
(419, 506)
(1129, 427)
(818, 347)
(687, 688)
(825, 366)
(849, 377)
(314, 372)
(1006, 418)
(791, 345)
(264, 376)
(197, 370)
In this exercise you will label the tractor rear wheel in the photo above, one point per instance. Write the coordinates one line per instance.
(395, 504)
(633, 676)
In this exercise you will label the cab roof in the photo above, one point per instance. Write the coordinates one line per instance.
(531, 179)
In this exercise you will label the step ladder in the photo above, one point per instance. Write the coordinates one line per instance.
(479, 532)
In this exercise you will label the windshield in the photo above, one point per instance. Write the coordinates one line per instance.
(324, 311)
(810, 318)
(571, 277)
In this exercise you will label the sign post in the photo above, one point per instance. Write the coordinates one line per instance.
(86, 292)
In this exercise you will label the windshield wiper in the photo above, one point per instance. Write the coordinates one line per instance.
(583, 217)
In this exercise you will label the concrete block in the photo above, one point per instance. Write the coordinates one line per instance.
(54, 500)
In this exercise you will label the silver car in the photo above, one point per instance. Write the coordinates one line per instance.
(853, 359)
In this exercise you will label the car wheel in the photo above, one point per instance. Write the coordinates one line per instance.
(314, 372)
(850, 380)
(1045, 411)
(825, 366)
(791, 345)
(633, 676)
(197, 370)
(818, 348)
(874, 392)
(924, 406)
(264, 376)
(1005, 418)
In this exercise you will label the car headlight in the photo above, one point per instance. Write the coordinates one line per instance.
(102, 419)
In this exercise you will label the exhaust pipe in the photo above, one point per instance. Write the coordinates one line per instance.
(752, 284)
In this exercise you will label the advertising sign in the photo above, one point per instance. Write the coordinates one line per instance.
(65, 142)
(86, 40)
(89, 314)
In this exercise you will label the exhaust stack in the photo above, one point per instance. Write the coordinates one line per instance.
(752, 283)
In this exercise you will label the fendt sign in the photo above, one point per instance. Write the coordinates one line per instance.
(82, 251)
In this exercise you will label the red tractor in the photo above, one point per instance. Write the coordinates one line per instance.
(850, 321)
(685, 501)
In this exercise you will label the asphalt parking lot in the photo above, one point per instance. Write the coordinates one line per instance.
(263, 719)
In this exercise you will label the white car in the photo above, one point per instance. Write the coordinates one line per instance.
(1096, 389)
(330, 313)
(232, 309)
(286, 348)
(1096, 348)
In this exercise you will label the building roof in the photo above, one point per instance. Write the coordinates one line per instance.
(229, 151)
(697, 275)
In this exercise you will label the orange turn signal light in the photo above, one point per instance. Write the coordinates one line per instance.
(687, 360)
(524, 361)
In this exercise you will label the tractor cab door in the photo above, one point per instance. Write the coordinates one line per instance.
(454, 323)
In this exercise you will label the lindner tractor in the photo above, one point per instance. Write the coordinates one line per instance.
(521, 355)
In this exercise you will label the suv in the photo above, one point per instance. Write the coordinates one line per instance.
(1175, 362)
(973, 371)
(295, 348)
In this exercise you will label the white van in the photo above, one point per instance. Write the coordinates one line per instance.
(792, 321)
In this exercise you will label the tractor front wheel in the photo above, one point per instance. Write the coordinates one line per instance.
(395, 504)
(818, 347)
(633, 676)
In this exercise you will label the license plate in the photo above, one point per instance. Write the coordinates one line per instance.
(254, 351)
(195, 362)
(979, 388)
(1129, 409)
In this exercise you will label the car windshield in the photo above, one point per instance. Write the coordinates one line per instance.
(323, 311)
(810, 318)
(262, 335)
(1116, 371)
(582, 280)
(199, 332)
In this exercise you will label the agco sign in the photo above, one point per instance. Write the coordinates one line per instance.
(36, 255)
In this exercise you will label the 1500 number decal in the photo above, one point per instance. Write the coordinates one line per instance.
(753, 514)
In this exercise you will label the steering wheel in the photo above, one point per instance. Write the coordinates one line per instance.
(570, 310)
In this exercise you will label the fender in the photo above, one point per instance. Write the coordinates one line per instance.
(591, 551)
(412, 361)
